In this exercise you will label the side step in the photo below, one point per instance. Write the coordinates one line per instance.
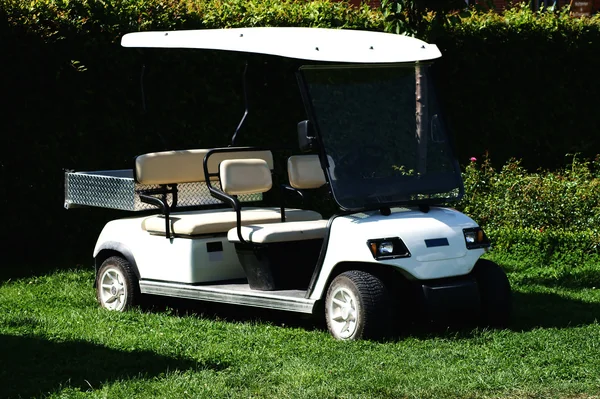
(233, 293)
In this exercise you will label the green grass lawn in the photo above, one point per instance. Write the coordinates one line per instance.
(55, 342)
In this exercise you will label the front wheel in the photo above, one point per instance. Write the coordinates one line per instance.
(494, 293)
(116, 284)
(356, 306)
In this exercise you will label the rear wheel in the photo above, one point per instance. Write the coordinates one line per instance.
(494, 292)
(116, 284)
(356, 306)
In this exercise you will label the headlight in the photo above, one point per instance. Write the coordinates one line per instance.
(475, 238)
(388, 248)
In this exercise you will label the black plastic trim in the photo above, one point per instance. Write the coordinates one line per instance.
(400, 249)
(445, 297)
(121, 249)
(215, 246)
(321, 260)
(436, 242)
(485, 244)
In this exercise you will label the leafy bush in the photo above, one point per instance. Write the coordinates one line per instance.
(567, 199)
(548, 257)
(546, 246)
(537, 219)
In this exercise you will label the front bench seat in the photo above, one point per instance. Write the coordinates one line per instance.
(280, 232)
(241, 176)
(276, 256)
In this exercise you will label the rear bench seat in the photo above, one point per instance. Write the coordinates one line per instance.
(185, 166)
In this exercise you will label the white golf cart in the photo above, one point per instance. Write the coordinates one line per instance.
(374, 139)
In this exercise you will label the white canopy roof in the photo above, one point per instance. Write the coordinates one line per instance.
(316, 44)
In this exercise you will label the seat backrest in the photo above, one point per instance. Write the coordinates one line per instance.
(305, 172)
(245, 176)
(186, 166)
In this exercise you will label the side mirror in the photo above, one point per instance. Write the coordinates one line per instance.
(306, 137)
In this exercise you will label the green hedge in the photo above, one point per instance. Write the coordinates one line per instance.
(537, 219)
(544, 247)
(512, 197)
(518, 85)
(513, 85)
(549, 257)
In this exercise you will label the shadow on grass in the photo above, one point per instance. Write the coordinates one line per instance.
(530, 311)
(548, 310)
(573, 279)
(31, 366)
(233, 313)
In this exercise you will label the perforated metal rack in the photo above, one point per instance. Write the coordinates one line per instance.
(117, 189)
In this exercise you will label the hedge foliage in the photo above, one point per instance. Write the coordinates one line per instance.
(541, 217)
(548, 257)
(520, 84)
(512, 197)
(544, 247)
(514, 85)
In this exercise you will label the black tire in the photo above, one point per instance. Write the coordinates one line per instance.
(357, 306)
(117, 287)
(494, 293)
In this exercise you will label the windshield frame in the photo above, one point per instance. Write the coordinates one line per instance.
(324, 158)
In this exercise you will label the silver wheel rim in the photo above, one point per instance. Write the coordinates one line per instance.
(343, 314)
(113, 290)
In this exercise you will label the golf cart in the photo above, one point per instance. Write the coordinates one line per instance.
(375, 141)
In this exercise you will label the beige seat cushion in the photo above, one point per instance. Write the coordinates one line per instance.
(245, 176)
(304, 172)
(214, 221)
(280, 232)
(187, 166)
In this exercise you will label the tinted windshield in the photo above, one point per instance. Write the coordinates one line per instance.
(368, 120)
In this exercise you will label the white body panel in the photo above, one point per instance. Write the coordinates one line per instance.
(316, 44)
(349, 234)
(187, 260)
(181, 260)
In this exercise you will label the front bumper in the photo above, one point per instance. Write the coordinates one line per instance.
(449, 299)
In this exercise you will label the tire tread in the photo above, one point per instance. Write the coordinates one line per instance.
(374, 298)
(133, 288)
(495, 294)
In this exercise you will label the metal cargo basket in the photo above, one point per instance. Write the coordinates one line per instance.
(117, 189)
